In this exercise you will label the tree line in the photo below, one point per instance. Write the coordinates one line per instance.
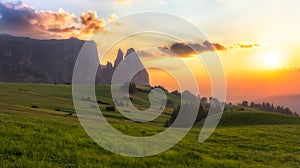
(269, 107)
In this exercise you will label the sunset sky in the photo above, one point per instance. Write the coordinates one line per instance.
(257, 41)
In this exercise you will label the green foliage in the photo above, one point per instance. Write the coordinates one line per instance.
(173, 116)
(160, 87)
(176, 93)
(265, 106)
(202, 114)
(131, 86)
(57, 109)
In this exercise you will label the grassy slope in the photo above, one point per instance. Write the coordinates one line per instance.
(43, 137)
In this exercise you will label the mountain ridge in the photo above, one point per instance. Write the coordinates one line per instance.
(51, 61)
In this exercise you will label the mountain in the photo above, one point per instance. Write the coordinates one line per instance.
(141, 76)
(50, 61)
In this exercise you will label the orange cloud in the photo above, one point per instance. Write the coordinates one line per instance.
(20, 19)
(214, 46)
(91, 23)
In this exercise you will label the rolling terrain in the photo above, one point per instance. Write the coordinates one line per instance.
(39, 128)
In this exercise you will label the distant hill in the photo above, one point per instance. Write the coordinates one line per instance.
(57, 100)
(51, 61)
(291, 101)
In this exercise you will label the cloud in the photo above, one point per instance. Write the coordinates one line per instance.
(112, 17)
(92, 24)
(290, 69)
(143, 53)
(132, 1)
(124, 1)
(214, 46)
(191, 49)
(246, 45)
(20, 19)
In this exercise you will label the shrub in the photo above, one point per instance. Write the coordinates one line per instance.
(68, 115)
(102, 102)
(110, 108)
(34, 106)
(57, 109)
(169, 101)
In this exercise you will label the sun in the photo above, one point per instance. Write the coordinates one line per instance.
(272, 59)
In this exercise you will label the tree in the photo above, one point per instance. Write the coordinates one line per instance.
(272, 107)
(173, 117)
(202, 113)
(204, 100)
(131, 86)
(161, 87)
(176, 93)
(268, 106)
(245, 103)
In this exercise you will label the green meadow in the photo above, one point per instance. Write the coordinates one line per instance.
(39, 128)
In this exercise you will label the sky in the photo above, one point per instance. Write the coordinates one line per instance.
(257, 41)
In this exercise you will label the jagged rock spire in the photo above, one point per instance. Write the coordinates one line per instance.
(119, 58)
(130, 51)
(142, 77)
(30, 60)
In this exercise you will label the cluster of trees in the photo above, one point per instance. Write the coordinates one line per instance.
(160, 87)
(132, 87)
(176, 93)
(265, 106)
(202, 114)
(213, 104)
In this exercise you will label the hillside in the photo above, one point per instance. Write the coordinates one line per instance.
(35, 131)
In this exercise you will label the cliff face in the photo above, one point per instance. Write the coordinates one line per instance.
(46, 61)
(142, 77)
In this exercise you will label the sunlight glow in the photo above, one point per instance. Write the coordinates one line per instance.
(272, 59)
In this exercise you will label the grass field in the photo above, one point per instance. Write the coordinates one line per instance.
(44, 137)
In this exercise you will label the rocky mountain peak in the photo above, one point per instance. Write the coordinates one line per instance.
(130, 51)
(119, 58)
(50, 61)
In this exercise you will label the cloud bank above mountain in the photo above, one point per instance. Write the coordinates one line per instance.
(19, 19)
